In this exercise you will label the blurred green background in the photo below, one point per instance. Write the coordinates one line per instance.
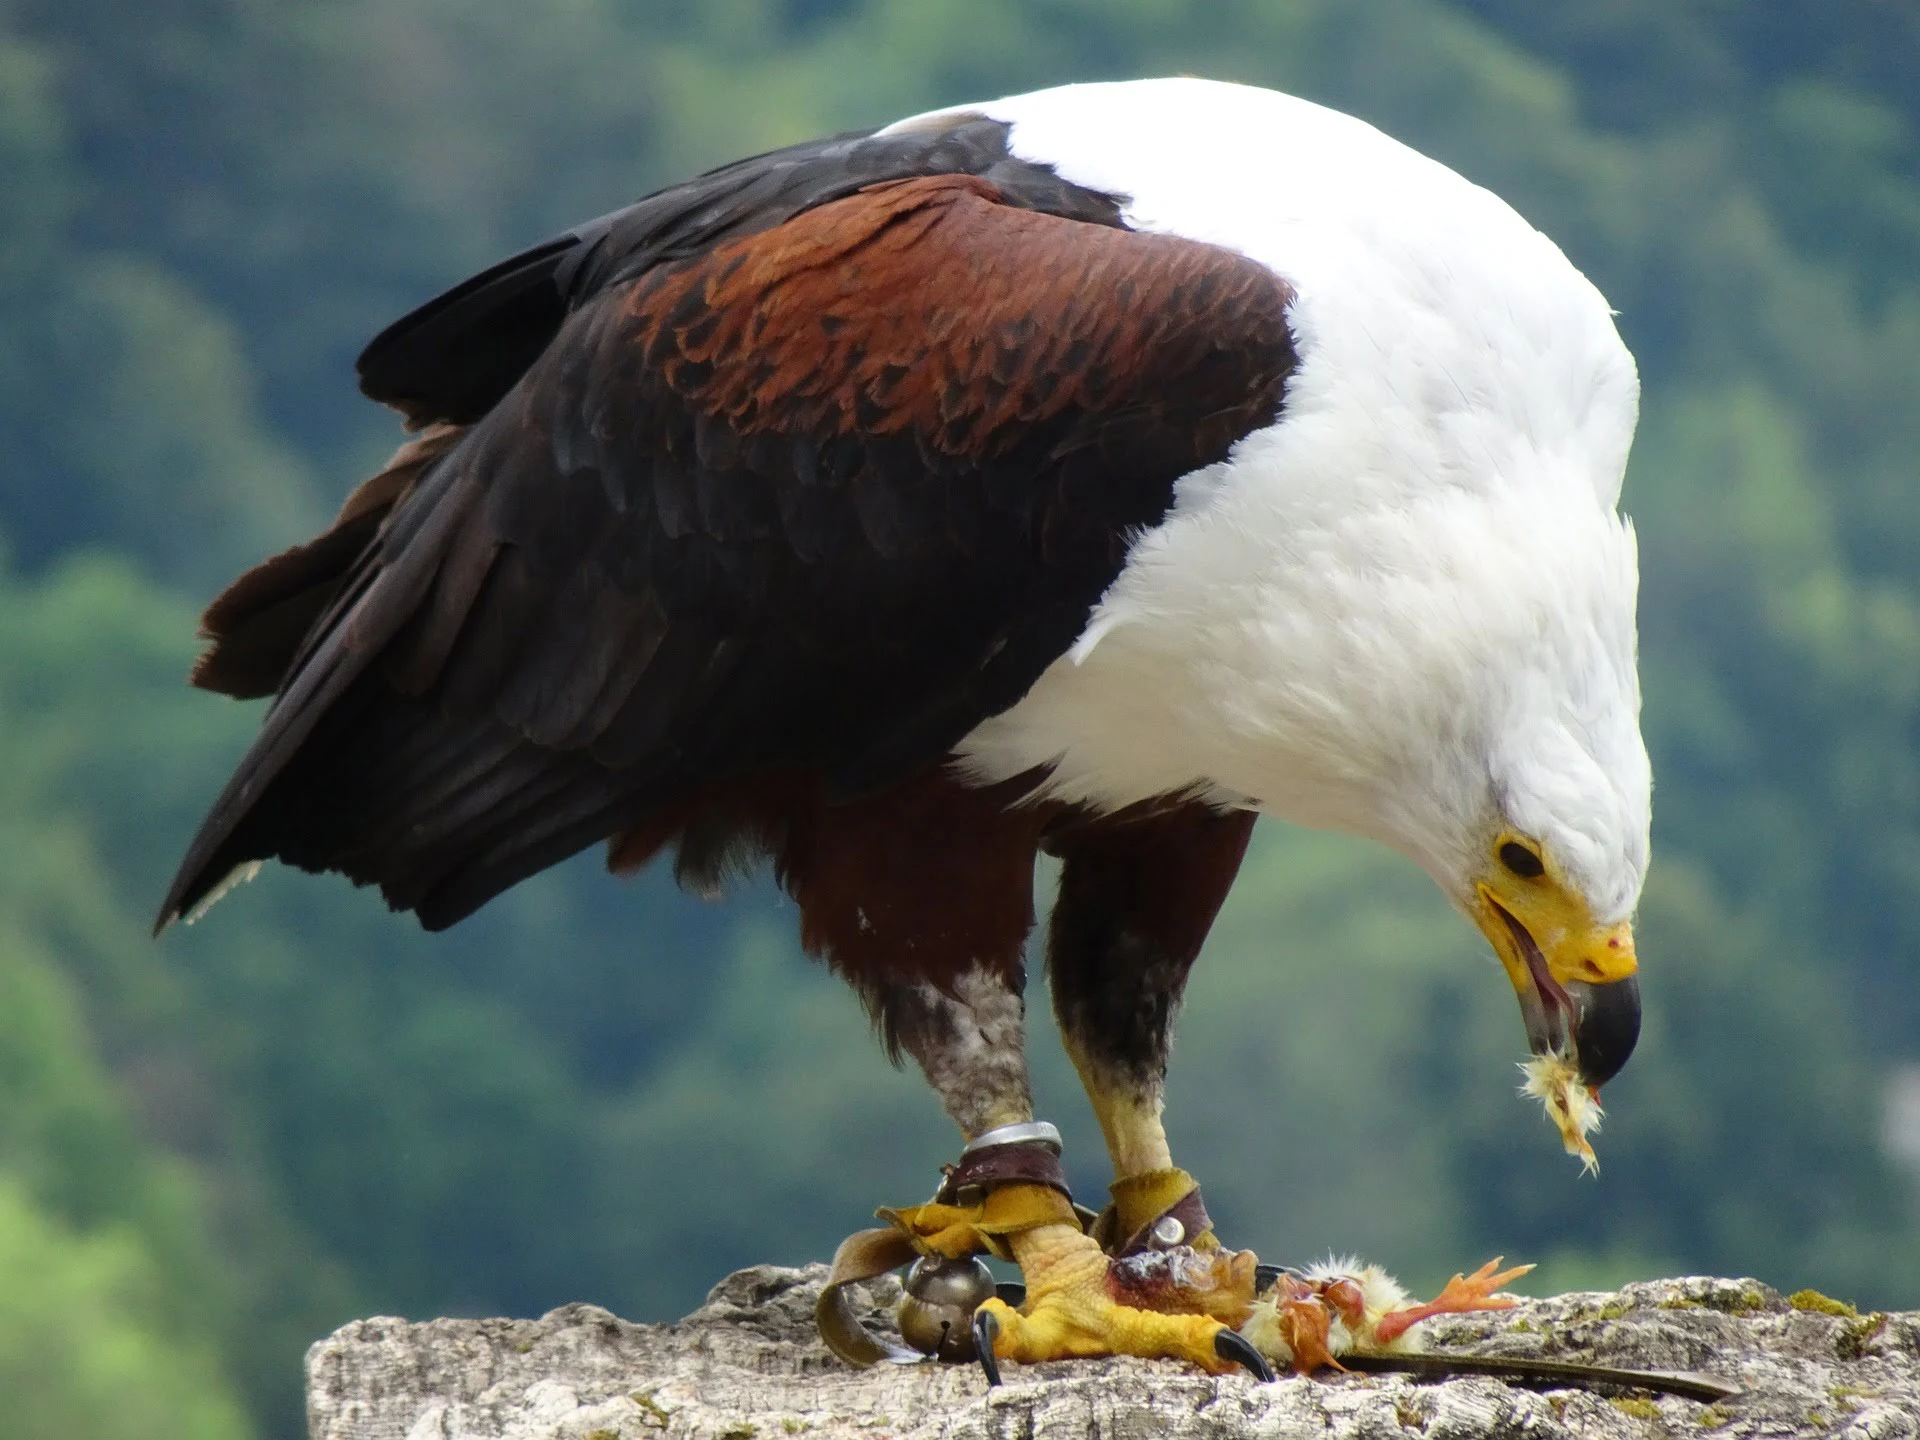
(215, 1149)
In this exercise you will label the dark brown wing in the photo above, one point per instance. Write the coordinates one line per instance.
(454, 357)
(820, 498)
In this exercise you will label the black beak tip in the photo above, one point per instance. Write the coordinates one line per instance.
(1607, 1029)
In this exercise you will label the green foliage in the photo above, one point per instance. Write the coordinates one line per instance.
(214, 1149)
(84, 1344)
(111, 1302)
(117, 385)
(732, 1152)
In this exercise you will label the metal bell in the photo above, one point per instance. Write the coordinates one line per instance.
(936, 1313)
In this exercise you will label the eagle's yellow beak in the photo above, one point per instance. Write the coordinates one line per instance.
(1574, 977)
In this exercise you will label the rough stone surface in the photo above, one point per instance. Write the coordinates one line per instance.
(747, 1366)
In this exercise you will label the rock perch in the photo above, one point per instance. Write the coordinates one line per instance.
(748, 1366)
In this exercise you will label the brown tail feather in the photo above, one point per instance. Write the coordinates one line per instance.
(350, 624)
(256, 625)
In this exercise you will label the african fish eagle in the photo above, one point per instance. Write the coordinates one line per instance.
(1089, 471)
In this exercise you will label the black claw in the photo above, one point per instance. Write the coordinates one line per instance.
(986, 1330)
(1265, 1277)
(1232, 1345)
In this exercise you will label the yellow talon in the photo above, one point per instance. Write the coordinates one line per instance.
(1070, 1312)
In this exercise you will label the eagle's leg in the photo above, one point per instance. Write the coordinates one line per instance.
(1137, 897)
(970, 1044)
(969, 1040)
(1136, 901)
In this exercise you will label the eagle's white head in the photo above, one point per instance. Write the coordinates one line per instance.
(1406, 608)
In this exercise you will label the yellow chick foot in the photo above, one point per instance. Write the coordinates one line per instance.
(1462, 1295)
(1081, 1304)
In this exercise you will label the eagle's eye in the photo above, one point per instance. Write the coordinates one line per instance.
(1522, 860)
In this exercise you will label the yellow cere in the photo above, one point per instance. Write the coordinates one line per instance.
(1554, 1081)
